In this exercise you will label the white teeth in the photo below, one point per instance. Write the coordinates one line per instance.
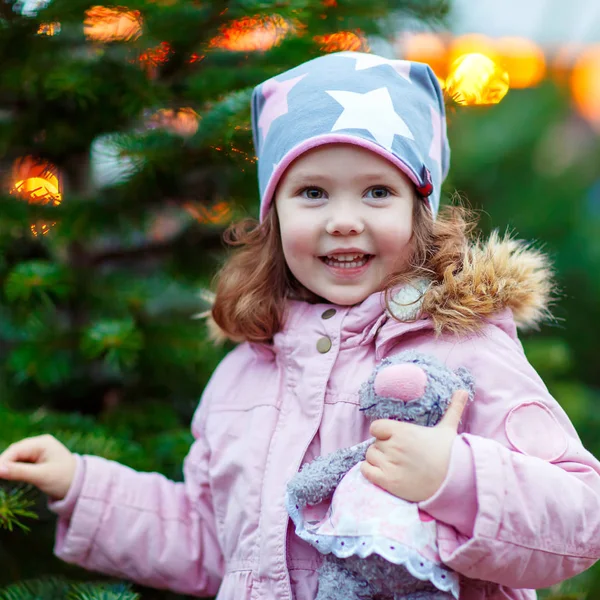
(345, 263)
(346, 257)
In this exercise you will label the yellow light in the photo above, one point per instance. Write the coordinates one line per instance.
(476, 79)
(35, 181)
(250, 34)
(523, 60)
(427, 48)
(39, 191)
(103, 24)
(585, 84)
(41, 228)
(38, 183)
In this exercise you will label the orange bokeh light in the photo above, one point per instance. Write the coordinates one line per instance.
(152, 58)
(49, 28)
(35, 181)
(472, 43)
(476, 79)
(183, 121)
(104, 24)
(218, 214)
(427, 48)
(523, 60)
(585, 84)
(252, 34)
(342, 41)
(38, 183)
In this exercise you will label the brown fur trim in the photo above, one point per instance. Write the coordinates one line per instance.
(496, 274)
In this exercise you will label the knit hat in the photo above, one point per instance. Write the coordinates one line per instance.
(394, 108)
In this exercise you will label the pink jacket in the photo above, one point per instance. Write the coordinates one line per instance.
(519, 509)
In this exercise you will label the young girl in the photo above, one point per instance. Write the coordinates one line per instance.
(350, 264)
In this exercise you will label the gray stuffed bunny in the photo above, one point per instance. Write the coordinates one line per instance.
(376, 545)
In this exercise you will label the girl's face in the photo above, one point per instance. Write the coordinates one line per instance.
(345, 217)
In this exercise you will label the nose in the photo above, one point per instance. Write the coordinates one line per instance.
(404, 382)
(345, 220)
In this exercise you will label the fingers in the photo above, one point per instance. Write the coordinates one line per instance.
(455, 410)
(28, 450)
(374, 455)
(372, 473)
(16, 471)
(22, 461)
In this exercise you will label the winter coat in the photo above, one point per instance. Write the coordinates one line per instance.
(518, 510)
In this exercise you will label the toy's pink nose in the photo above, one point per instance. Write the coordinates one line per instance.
(401, 382)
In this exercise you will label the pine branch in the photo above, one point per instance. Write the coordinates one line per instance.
(57, 588)
(15, 504)
(201, 241)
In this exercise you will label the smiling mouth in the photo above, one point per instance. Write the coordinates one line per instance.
(347, 261)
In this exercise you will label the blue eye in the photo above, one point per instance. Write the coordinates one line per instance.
(379, 192)
(313, 193)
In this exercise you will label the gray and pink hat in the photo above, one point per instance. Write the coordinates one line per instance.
(394, 108)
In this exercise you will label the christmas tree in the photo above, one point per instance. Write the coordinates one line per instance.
(125, 149)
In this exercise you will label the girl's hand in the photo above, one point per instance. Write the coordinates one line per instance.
(411, 461)
(42, 461)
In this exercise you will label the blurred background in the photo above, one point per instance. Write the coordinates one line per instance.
(125, 150)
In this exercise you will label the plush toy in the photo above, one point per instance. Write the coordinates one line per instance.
(375, 544)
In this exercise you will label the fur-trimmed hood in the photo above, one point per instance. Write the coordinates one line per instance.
(496, 274)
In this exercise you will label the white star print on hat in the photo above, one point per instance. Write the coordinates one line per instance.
(394, 108)
(367, 61)
(372, 111)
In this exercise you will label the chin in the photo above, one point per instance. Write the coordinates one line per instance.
(347, 299)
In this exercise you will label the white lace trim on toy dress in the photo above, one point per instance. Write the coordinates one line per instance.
(364, 519)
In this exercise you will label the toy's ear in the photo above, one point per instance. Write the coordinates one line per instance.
(467, 381)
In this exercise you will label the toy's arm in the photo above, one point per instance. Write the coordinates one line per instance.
(317, 480)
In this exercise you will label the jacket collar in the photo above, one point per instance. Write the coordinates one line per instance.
(494, 281)
(360, 324)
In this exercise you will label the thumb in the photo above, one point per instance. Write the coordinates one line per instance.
(455, 410)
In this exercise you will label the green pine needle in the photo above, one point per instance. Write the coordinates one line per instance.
(58, 588)
(15, 503)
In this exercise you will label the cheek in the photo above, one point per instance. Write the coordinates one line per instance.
(297, 238)
(394, 238)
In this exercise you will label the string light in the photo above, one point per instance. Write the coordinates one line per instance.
(104, 24)
(217, 214)
(153, 58)
(36, 182)
(342, 41)
(252, 34)
(182, 121)
(49, 29)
